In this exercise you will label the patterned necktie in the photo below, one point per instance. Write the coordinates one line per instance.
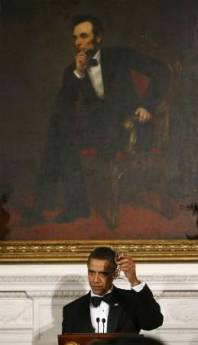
(95, 300)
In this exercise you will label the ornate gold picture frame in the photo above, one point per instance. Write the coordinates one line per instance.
(59, 198)
(77, 251)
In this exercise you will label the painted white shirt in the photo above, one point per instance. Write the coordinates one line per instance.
(95, 75)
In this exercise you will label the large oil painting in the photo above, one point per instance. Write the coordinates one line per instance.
(108, 155)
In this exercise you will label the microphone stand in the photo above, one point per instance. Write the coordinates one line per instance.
(98, 322)
(103, 324)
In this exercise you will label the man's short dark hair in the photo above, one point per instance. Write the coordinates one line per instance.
(103, 253)
(96, 23)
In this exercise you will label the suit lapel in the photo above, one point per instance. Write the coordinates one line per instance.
(114, 314)
(85, 317)
(107, 71)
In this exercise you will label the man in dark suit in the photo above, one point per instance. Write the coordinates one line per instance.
(95, 107)
(107, 308)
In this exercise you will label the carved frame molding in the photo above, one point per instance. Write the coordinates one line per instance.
(73, 251)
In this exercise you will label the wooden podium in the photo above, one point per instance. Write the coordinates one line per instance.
(84, 338)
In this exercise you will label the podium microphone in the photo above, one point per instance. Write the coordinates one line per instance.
(103, 324)
(98, 321)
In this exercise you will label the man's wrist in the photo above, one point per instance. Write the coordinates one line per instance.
(135, 282)
(139, 287)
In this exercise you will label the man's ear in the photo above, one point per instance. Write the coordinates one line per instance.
(99, 39)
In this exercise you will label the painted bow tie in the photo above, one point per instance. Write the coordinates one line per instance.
(92, 62)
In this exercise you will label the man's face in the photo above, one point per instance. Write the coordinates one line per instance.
(84, 38)
(100, 275)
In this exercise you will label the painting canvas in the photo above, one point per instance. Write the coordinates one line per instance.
(142, 192)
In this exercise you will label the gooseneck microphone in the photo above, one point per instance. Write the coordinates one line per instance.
(103, 324)
(98, 322)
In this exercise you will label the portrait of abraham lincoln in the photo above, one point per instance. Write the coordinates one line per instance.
(99, 125)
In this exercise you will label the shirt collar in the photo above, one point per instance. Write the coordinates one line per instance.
(97, 56)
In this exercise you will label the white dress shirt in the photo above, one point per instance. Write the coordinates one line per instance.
(101, 313)
(95, 75)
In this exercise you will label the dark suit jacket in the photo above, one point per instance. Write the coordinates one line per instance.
(130, 312)
(96, 122)
(80, 119)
